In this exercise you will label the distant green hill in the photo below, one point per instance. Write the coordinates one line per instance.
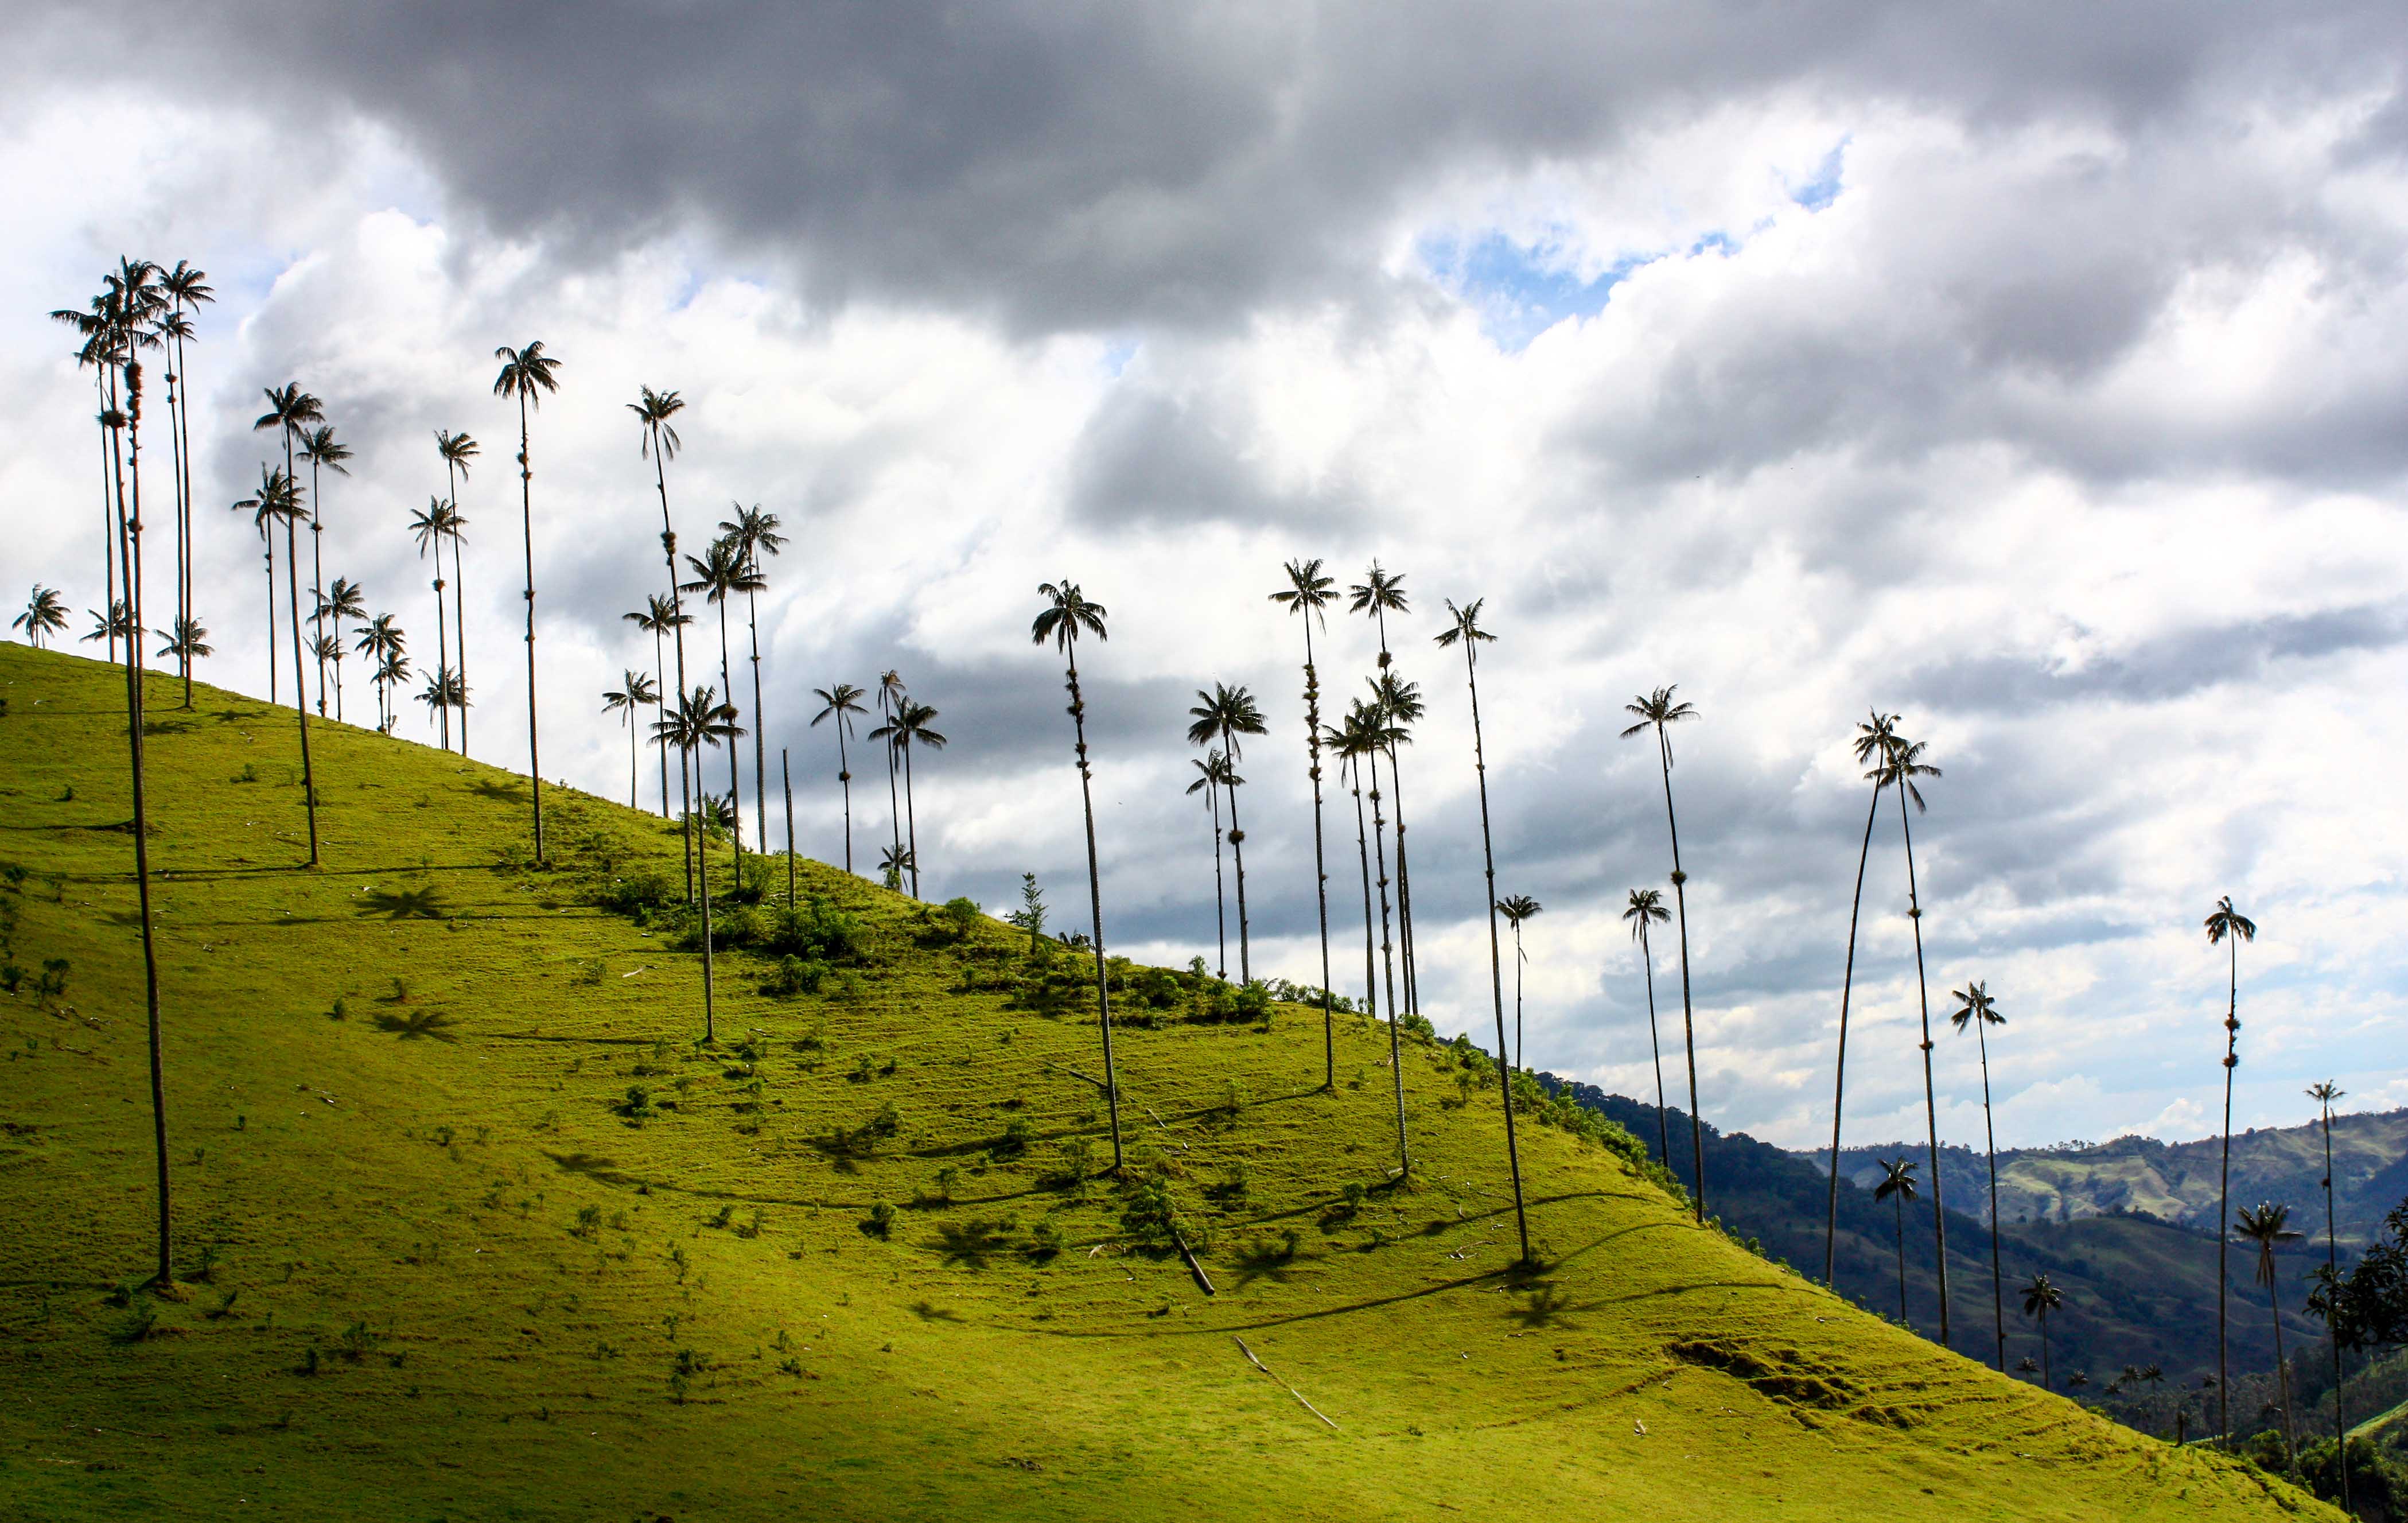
(473, 1227)
(2178, 1181)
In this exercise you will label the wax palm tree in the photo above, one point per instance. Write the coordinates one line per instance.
(1975, 1007)
(1400, 709)
(1463, 629)
(320, 447)
(910, 727)
(2040, 1298)
(890, 697)
(841, 702)
(185, 286)
(1211, 775)
(1383, 737)
(1897, 1187)
(1646, 910)
(756, 534)
(458, 451)
(1348, 742)
(290, 409)
(1067, 613)
(659, 616)
(1228, 713)
(1873, 741)
(112, 627)
(279, 499)
(1656, 710)
(894, 866)
(392, 675)
(700, 720)
(1516, 910)
(1901, 765)
(45, 615)
(659, 442)
(1357, 741)
(635, 691)
(525, 375)
(325, 649)
(721, 574)
(444, 691)
(1307, 595)
(2230, 928)
(2268, 1228)
(430, 529)
(343, 601)
(2324, 1095)
(379, 640)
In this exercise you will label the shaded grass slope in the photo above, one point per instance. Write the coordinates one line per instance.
(471, 1226)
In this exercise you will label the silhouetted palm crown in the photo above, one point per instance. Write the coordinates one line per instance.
(527, 373)
(653, 410)
(1657, 708)
(1066, 616)
(1645, 908)
(1975, 1003)
(2227, 921)
(1898, 1179)
(1227, 712)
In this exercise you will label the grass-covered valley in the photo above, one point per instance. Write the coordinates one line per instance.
(470, 1224)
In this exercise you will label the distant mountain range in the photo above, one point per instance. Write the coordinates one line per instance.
(2121, 1229)
(2175, 1181)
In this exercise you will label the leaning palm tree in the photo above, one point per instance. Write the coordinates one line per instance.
(1901, 765)
(1463, 628)
(2231, 928)
(2040, 1298)
(658, 617)
(1873, 739)
(1307, 595)
(1516, 910)
(430, 529)
(756, 534)
(45, 615)
(635, 691)
(841, 702)
(720, 574)
(343, 601)
(526, 374)
(907, 728)
(320, 448)
(278, 499)
(1646, 909)
(2268, 1228)
(2324, 1095)
(1656, 710)
(1401, 707)
(458, 451)
(700, 720)
(1897, 1185)
(1227, 713)
(1067, 612)
(1211, 774)
(1975, 1007)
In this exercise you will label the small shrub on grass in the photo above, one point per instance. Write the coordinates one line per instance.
(1044, 1240)
(961, 917)
(795, 976)
(879, 1223)
(589, 1218)
(1074, 1161)
(140, 1319)
(637, 1106)
(816, 931)
(720, 1217)
(1253, 1002)
(1017, 1134)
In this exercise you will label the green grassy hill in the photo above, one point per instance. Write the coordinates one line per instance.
(440, 1264)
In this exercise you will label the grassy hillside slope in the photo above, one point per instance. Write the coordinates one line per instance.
(438, 1270)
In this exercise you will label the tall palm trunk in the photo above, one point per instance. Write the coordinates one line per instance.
(1320, 864)
(1238, 854)
(460, 622)
(1930, 1101)
(1405, 946)
(1688, 1017)
(676, 629)
(910, 813)
(2223, 1194)
(660, 683)
(316, 585)
(1096, 900)
(112, 512)
(1899, 1200)
(2045, 1378)
(128, 538)
(1518, 1048)
(1991, 1141)
(886, 706)
(183, 426)
(734, 783)
(631, 755)
(526, 529)
(300, 680)
(1396, 1042)
(2282, 1368)
(268, 537)
(1656, 1046)
(442, 647)
(1495, 964)
(1220, 901)
(2332, 1267)
(1380, 855)
(760, 727)
(1840, 1069)
(844, 781)
(786, 777)
(183, 522)
(702, 876)
(1363, 851)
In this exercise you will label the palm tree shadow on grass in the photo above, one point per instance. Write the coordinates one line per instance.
(403, 904)
(508, 792)
(972, 1244)
(424, 1023)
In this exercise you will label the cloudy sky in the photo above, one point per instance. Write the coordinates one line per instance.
(2035, 372)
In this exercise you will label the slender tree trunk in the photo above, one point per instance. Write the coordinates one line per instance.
(1900, 1201)
(183, 524)
(1656, 1046)
(676, 629)
(660, 683)
(1238, 852)
(1991, 1141)
(1406, 950)
(2332, 1266)
(844, 781)
(2223, 1194)
(760, 730)
(316, 585)
(734, 783)
(1518, 1049)
(886, 707)
(526, 529)
(268, 537)
(1363, 851)
(1840, 1068)
(2282, 1368)
(631, 755)
(300, 679)
(2046, 1380)
(1930, 1101)
(460, 617)
(1495, 957)
(1688, 1019)
(911, 812)
(702, 876)
(1320, 864)
(128, 535)
(183, 426)
(786, 778)
(1220, 901)
(1380, 854)
(112, 519)
(1096, 900)
(442, 650)
(1396, 1044)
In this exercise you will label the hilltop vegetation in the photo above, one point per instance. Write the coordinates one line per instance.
(472, 1226)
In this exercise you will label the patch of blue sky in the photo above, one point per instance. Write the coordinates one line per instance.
(1522, 290)
(1117, 355)
(1824, 187)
